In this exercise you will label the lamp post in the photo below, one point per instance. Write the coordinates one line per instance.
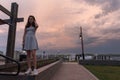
(82, 45)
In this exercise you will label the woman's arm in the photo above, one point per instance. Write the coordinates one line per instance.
(36, 25)
(24, 35)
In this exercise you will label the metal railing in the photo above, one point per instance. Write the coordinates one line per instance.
(11, 74)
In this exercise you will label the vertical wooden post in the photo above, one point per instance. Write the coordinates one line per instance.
(82, 45)
(12, 31)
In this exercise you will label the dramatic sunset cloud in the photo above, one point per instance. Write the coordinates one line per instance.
(59, 22)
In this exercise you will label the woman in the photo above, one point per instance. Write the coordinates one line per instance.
(30, 44)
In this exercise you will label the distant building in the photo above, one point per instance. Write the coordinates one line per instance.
(17, 55)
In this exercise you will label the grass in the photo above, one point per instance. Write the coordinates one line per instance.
(105, 72)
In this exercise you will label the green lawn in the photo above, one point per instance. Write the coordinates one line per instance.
(105, 72)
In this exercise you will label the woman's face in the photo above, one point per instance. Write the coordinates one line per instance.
(31, 20)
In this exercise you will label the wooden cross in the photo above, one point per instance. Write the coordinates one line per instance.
(12, 22)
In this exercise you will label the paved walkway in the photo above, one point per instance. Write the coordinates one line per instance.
(73, 71)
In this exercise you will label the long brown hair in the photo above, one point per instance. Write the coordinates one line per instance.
(28, 23)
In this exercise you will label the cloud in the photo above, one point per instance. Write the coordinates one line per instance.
(59, 22)
(108, 6)
(105, 28)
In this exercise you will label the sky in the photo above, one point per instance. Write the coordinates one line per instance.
(59, 25)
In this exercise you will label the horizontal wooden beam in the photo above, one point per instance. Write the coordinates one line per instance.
(7, 21)
(4, 22)
(1, 22)
(5, 10)
(20, 19)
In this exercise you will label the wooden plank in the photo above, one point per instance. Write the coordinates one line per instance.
(1, 22)
(20, 19)
(7, 21)
(5, 10)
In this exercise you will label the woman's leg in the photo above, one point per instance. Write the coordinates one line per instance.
(35, 72)
(28, 62)
(29, 59)
(34, 59)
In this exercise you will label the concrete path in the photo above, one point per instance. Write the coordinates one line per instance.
(73, 71)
